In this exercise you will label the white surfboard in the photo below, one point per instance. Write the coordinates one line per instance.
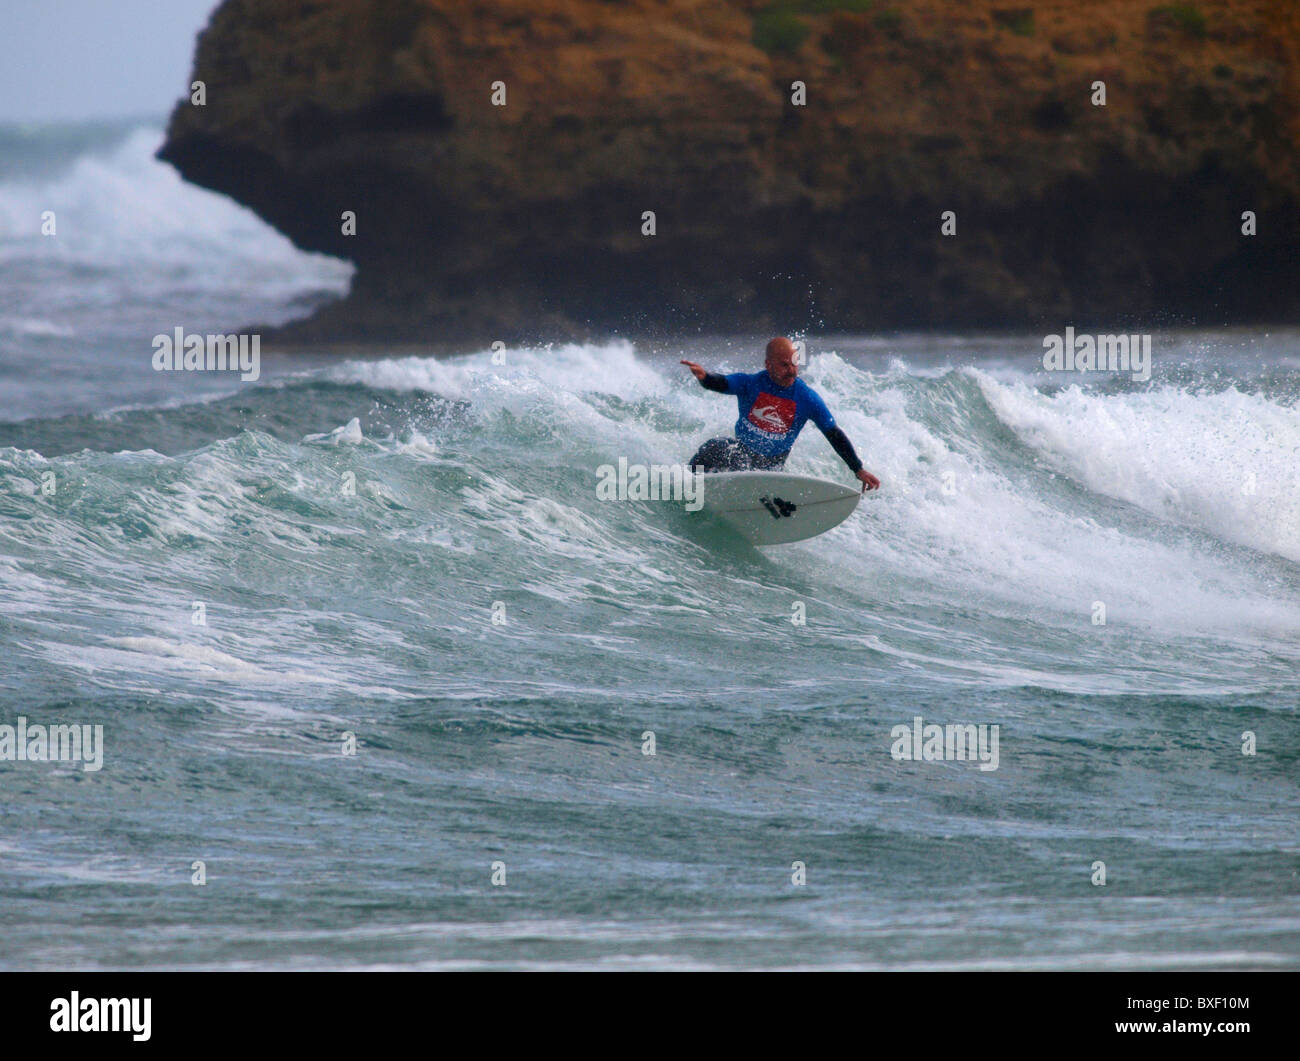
(772, 508)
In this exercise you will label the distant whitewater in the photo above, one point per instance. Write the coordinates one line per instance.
(360, 633)
(135, 252)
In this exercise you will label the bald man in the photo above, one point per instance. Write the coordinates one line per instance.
(774, 406)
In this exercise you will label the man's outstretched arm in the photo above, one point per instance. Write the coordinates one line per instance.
(821, 416)
(708, 380)
(840, 444)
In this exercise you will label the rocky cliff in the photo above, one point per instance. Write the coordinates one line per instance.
(525, 221)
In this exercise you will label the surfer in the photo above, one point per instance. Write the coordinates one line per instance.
(774, 406)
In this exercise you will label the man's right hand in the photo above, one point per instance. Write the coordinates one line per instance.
(696, 370)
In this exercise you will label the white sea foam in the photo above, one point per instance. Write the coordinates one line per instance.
(1222, 462)
(123, 209)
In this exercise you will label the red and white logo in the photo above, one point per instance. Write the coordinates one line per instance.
(772, 415)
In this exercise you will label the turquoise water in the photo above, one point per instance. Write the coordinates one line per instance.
(351, 530)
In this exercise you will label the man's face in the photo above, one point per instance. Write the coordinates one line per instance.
(781, 366)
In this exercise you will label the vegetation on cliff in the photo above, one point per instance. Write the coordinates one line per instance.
(527, 219)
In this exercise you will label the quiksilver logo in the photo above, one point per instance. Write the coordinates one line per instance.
(77, 1014)
(772, 415)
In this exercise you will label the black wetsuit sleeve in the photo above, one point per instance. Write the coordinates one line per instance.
(840, 444)
(713, 382)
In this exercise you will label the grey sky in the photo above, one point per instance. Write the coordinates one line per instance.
(63, 60)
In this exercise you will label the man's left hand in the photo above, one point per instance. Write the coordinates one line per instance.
(869, 481)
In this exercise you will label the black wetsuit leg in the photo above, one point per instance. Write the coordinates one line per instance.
(728, 455)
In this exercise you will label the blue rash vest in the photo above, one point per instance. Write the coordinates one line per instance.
(771, 417)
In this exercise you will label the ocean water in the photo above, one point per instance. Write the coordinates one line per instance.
(347, 531)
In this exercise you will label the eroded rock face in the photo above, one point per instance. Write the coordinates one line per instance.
(524, 221)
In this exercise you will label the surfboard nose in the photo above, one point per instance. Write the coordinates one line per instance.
(775, 508)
